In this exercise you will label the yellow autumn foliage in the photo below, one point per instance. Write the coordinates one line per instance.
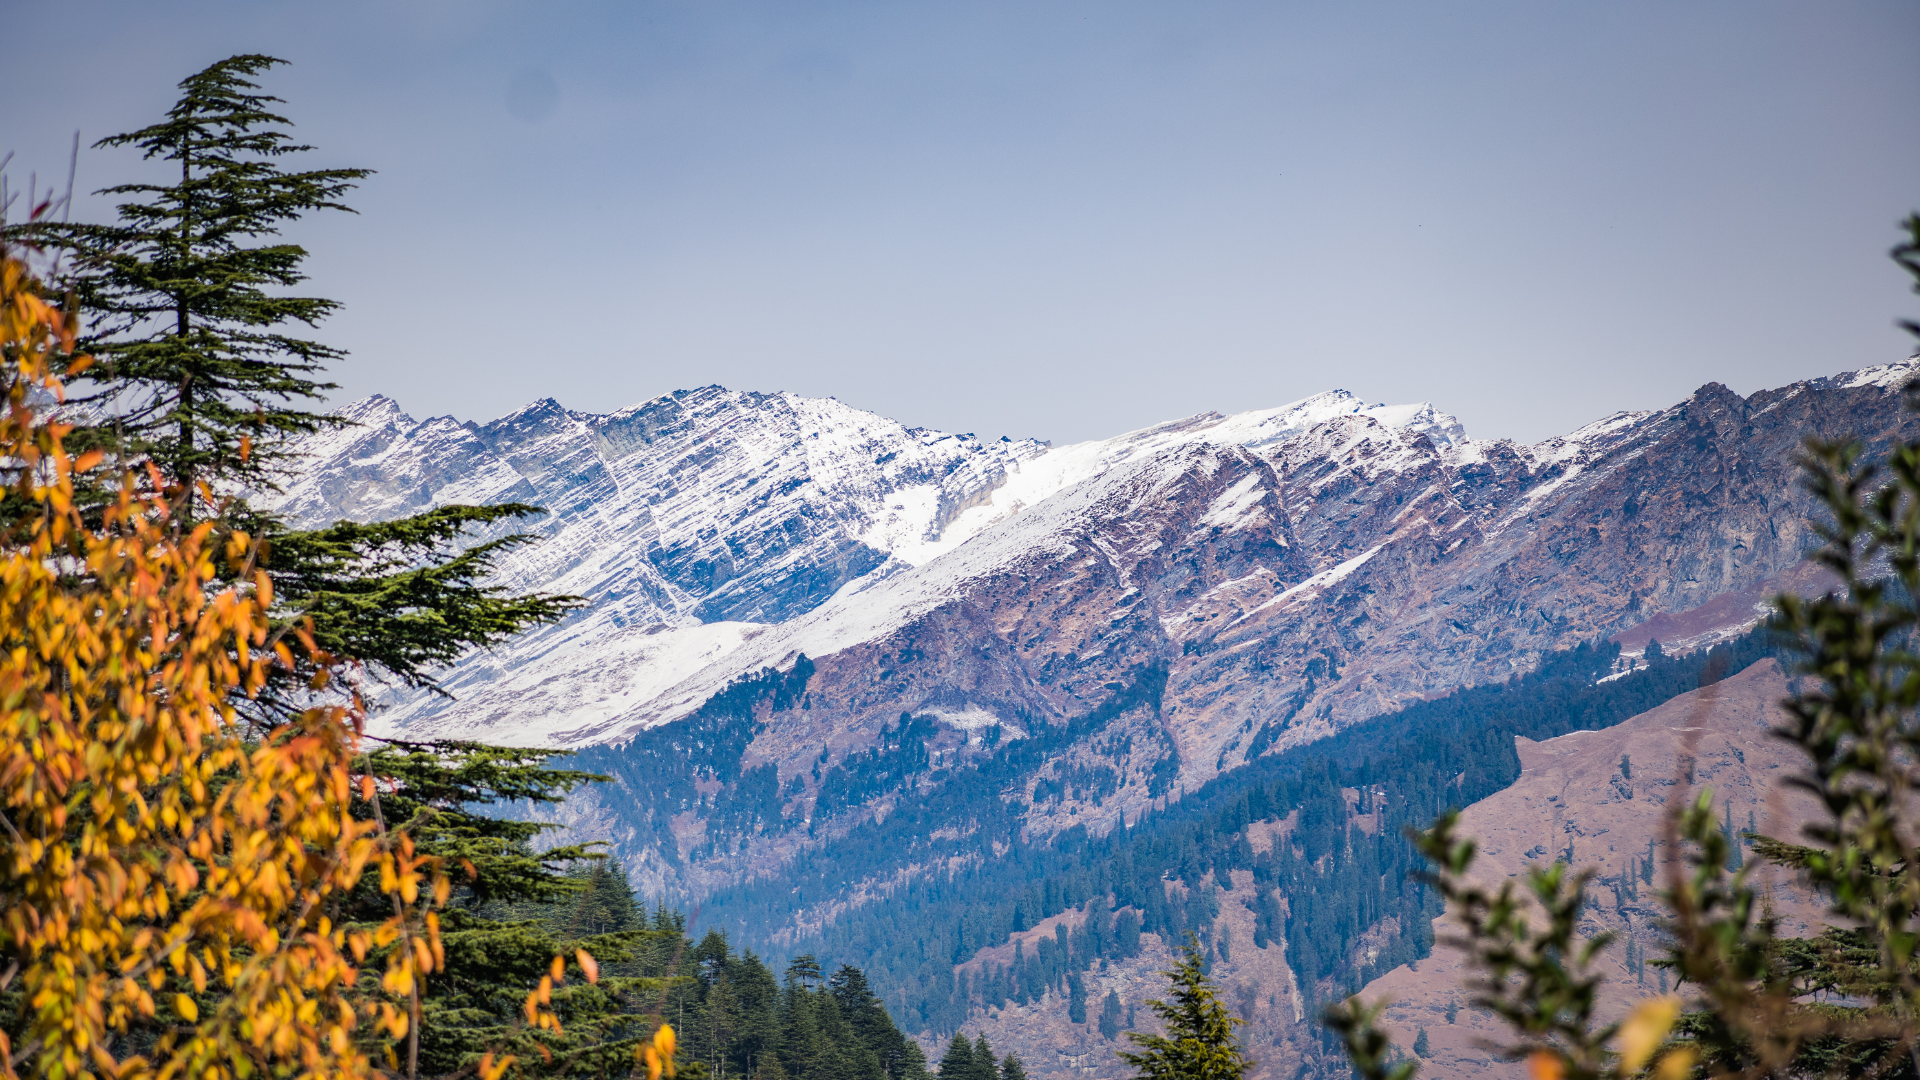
(155, 848)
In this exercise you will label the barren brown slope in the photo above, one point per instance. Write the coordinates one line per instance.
(1572, 793)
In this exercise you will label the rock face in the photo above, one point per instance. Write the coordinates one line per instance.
(1573, 793)
(701, 506)
(1222, 587)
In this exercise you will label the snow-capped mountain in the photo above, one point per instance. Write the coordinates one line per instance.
(695, 521)
(1194, 595)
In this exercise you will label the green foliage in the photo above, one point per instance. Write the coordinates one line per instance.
(513, 911)
(1421, 1046)
(1540, 980)
(199, 372)
(517, 909)
(985, 1064)
(404, 596)
(1200, 1043)
(963, 1062)
(184, 294)
(1368, 1048)
(1010, 1069)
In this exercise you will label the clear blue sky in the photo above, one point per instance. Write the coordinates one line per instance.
(1061, 219)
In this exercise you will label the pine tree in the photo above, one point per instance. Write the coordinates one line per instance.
(985, 1065)
(1110, 1016)
(1010, 1069)
(201, 373)
(913, 1062)
(512, 912)
(958, 1063)
(183, 295)
(1200, 1043)
(1076, 998)
(407, 596)
(804, 970)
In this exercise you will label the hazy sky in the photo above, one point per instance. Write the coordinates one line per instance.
(1060, 219)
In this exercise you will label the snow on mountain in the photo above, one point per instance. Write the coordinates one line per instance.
(700, 506)
(716, 532)
(695, 521)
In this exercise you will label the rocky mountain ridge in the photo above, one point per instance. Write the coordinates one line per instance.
(693, 520)
(813, 627)
(1277, 575)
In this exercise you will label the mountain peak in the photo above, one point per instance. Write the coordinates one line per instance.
(375, 410)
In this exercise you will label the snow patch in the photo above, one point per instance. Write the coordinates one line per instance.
(1890, 376)
(1236, 507)
(975, 720)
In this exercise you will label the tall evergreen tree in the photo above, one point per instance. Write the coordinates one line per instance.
(985, 1065)
(958, 1062)
(1010, 1069)
(1110, 1016)
(513, 911)
(1200, 1043)
(202, 372)
(197, 342)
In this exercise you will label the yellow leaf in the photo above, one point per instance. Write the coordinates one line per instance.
(1645, 1030)
(588, 965)
(145, 793)
(1545, 1065)
(1676, 1065)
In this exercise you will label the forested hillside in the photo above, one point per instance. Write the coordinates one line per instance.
(1343, 802)
(734, 1016)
